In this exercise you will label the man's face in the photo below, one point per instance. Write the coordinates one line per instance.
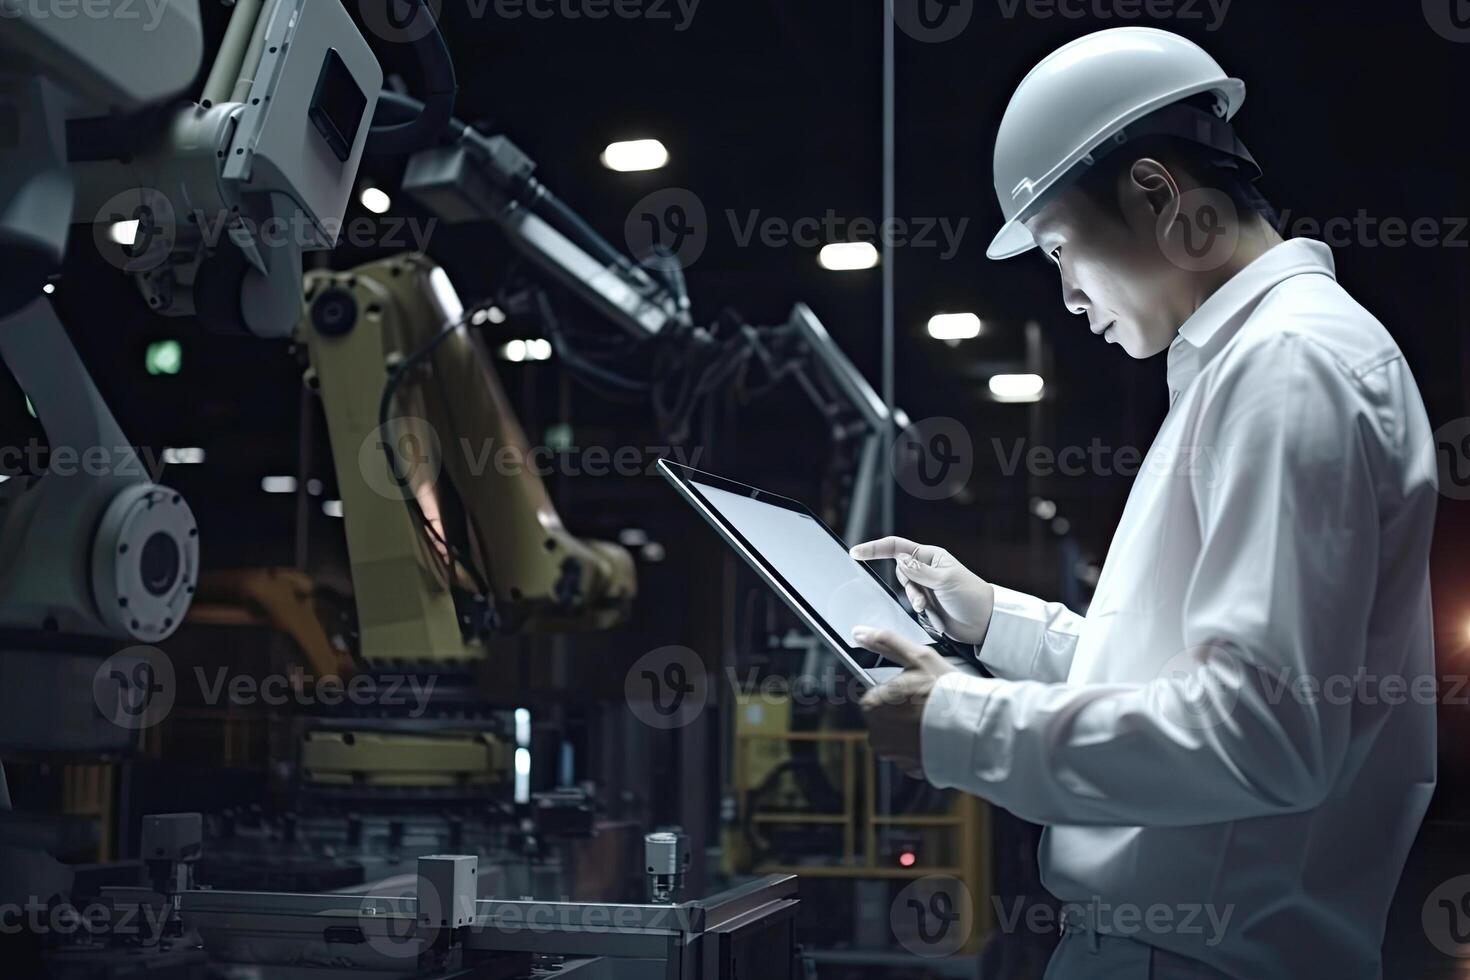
(1112, 268)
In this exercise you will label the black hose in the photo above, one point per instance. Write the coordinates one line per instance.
(440, 87)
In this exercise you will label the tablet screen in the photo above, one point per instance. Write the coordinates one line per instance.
(815, 565)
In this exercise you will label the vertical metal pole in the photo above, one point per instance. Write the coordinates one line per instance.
(886, 511)
(886, 515)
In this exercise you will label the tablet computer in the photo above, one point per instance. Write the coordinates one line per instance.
(807, 565)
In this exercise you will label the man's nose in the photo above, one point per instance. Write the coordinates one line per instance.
(1073, 298)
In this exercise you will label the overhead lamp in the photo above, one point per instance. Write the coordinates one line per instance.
(954, 326)
(186, 456)
(124, 232)
(627, 156)
(376, 200)
(1017, 387)
(535, 349)
(847, 256)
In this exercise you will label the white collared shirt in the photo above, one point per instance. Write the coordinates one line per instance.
(1241, 730)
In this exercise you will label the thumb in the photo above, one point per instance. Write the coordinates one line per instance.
(887, 644)
(923, 573)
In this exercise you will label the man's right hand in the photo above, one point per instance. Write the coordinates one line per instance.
(955, 599)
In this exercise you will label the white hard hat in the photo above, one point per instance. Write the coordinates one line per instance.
(1084, 95)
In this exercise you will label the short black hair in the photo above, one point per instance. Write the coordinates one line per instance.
(1208, 166)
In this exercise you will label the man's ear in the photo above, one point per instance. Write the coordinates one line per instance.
(1148, 195)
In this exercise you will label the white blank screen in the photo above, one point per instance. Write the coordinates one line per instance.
(816, 566)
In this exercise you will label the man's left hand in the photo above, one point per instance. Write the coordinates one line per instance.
(895, 711)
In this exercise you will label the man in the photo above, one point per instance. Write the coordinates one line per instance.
(1233, 749)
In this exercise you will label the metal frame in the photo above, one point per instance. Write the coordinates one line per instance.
(687, 938)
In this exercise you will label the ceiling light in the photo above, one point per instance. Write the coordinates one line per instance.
(954, 326)
(376, 200)
(630, 155)
(332, 508)
(1017, 387)
(514, 350)
(49, 289)
(538, 349)
(124, 232)
(846, 256)
(191, 456)
(278, 484)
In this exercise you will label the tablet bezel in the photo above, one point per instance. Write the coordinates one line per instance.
(686, 481)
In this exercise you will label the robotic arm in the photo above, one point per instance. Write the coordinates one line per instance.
(211, 215)
(488, 178)
(221, 197)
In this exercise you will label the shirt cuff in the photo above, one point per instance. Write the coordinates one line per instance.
(1017, 629)
(949, 730)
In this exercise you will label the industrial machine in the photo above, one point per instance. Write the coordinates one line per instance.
(405, 845)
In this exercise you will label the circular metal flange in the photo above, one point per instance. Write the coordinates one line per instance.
(145, 562)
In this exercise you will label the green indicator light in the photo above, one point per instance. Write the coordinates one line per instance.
(559, 436)
(164, 357)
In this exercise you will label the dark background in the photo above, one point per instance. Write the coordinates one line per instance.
(774, 106)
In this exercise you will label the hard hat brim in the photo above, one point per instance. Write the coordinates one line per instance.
(1013, 239)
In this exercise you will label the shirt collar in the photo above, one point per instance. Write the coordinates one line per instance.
(1218, 318)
